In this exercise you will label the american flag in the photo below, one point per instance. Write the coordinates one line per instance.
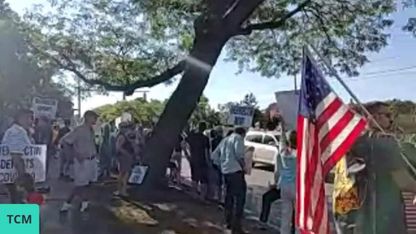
(327, 128)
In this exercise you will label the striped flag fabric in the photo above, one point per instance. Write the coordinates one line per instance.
(326, 130)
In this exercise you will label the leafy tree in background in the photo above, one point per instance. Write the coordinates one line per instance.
(21, 76)
(145, 112)
(141, 110)
(266, 36)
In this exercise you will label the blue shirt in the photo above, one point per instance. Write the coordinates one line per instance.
(287, 167)
(229, 154)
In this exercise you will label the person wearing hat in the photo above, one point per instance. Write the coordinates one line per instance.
(16, 138)
(125, 151)
(82, 143)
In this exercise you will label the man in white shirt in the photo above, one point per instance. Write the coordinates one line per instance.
(17, 138)
(82, 143)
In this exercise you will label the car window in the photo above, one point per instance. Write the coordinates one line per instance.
(268, 140)
(277, 137)
(254, 138)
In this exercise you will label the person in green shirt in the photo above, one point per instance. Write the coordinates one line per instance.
(383, 179)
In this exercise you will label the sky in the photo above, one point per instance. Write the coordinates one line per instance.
(224, 85)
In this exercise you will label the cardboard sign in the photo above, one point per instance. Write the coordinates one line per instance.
(34, 157)
(44, 107)
(137, 174)
(288, 103)
(240, 116)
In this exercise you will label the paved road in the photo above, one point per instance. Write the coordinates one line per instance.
(257, 183)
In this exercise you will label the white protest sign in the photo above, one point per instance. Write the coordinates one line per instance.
(288, 103)
(240, 116)
(34, 157)
(137, 174)
(44, 107)
(126, 117)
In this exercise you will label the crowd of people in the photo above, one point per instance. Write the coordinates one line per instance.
(218, 163)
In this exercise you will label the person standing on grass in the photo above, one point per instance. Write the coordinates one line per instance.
(82, 142)
(16, 138)
(43, 136)
(105, 152)
(216, 138)
(229, 156)
(199, 148)
(65, 159)
(125, 149)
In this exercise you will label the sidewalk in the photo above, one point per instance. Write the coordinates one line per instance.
(167, 211)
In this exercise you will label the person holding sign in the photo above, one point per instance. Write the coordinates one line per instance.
(16, 138)
(82, 141)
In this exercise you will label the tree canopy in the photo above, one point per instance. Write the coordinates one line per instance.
(125, 44)
(21, 76)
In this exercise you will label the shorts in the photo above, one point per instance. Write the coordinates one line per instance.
(125, 164)
(85, 172)
(199, 173)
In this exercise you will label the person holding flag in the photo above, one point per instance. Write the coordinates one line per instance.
(384, 177)
(326, 130)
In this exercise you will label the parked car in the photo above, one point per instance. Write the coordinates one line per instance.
(265, 146)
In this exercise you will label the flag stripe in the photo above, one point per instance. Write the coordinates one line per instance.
(338, 141)
(336, 130)
(301, 163)
(331, 121)
(319, 212)
(346, 145)
(324, 103)
(329, 112)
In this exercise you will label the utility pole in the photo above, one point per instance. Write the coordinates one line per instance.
(79, 98)
(296, 82)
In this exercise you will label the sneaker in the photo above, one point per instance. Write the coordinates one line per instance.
(84, 206)
(65, 207)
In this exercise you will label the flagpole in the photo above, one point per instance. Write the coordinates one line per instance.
(370, 116)
(355, 98)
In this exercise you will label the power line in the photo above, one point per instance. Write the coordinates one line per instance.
(390, 70)
(380, 76)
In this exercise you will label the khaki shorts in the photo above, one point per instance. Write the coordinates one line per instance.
(85, 172)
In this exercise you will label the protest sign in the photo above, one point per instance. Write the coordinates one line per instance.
(44, 107)
(137, 174)
(287, 102)
(240, 116)
(34, 157)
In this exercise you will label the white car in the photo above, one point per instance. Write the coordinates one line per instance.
(265, 146)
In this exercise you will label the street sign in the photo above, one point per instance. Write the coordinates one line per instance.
(44, 107)
(240, 116)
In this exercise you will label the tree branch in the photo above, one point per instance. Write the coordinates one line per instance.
(273, 24)
(128, 89)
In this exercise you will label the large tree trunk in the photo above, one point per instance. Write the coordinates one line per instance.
(181, 104)
(212, 31)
